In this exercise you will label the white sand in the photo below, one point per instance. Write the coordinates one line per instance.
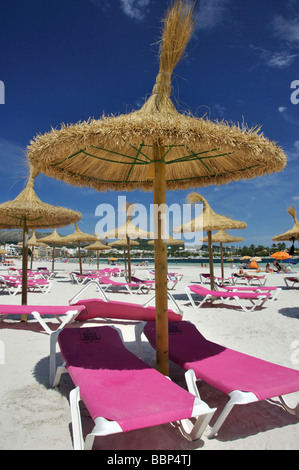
(34, 416)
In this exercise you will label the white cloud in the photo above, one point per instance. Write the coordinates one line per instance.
(136, 9)
(293, 152)
(286, 29)
(281, 59)
(211, 13)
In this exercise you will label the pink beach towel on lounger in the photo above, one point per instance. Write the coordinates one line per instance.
(98, 308)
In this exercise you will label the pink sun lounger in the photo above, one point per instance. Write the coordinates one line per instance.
(121, 392)
(293, 280)
(274, 291)
(69, 313)
(246, 379)
(256, 298)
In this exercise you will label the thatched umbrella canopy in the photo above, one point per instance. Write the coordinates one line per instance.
(157, 148)
(53, 239)
(124, 243)
(98, 246)
(128, 231)
(78, 237)
(28, 211)
(222, 237)
(169, 241)
(33, 242)
(208, 221)
(293, 233)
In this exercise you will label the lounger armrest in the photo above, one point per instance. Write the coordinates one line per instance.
(176, 306)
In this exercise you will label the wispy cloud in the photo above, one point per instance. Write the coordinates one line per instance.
(277, 59)
(136, 9)
(286, 29)
(211, 13)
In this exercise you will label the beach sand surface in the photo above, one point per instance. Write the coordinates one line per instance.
(36, 417)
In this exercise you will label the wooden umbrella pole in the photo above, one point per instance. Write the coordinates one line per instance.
(159, 198)
(125, 260)
(222, 267)
(129, 259)
(211, 260)
(98, 261)
(24, 267)
(53, 257)
(80, 261)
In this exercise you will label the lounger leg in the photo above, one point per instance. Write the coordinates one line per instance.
(236, 398)
(138, 333)
(76, 419)
(38, 317)
(292, 411)
(54, 373)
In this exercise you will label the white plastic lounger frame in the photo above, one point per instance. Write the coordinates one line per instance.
(237, 397)
(255, 289)
(177, 308)
(201, 412)
(69, 317)
(289, 279)
(260, 300)
(85, 288)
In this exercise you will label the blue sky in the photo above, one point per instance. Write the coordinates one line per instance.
(68, 60)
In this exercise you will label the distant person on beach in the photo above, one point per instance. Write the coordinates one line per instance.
(240, 273)
(268, 269)
(277, 266)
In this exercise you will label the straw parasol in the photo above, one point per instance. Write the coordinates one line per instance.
(28, 211)
(33, 242)
(293, 233)
(157, 148)
(124, 243)
(98, 246)
(222, 237)
(77, 237)
(128, 231)
(208, 221)
(54, 239)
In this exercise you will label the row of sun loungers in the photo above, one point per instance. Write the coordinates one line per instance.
(110, 379)
(249, 280)
(257, 296)
(13, 285)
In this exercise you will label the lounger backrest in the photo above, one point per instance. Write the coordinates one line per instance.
(98, 308)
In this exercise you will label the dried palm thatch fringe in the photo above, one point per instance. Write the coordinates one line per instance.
(79, 236)
(222, 237)
(27, 206)
(293, 232)
(128, 229)
(208, 220)
(118, 152)
(54, 238)
(96, 246)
